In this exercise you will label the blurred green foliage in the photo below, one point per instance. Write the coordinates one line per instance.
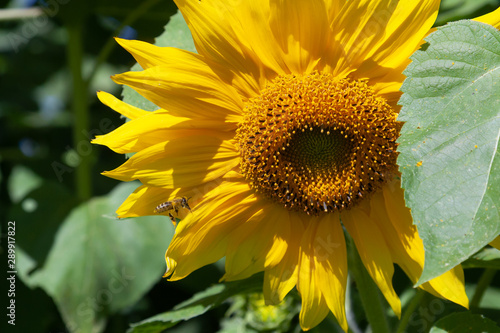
(70, 248)
(62, 267)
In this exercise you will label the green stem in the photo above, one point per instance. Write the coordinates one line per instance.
(371, 299)
(482, 285)
(410, 309)
(111, 44)
(351, 319)
(18, 14)
(80, 110)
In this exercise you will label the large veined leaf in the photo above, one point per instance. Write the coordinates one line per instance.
(449, 143)
(99, 265)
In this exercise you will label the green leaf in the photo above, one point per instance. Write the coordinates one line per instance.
(486, 258)
(453, 10)
(176, 34)
(449, 143)
(198, 304)
(22, 181)
(132, 97)
(248, 313)
(99, 265)
(489, 300)
(464, 322)
(235, 325)
(149, 16)
(38, 217)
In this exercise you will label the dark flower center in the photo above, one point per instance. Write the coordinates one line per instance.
(317, 144)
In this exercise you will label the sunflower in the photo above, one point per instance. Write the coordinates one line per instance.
(281, 132)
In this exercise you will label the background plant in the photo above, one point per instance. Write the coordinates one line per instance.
(82, 270)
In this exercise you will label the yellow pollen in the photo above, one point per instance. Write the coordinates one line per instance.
(315, 143)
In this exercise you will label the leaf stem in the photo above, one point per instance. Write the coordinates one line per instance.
(80, 110)
(368, 291)
(410, 309)
(482, 285)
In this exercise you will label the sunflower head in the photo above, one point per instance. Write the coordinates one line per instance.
(316, 143)
(282, 129)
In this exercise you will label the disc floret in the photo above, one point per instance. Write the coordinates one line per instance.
(316, 143)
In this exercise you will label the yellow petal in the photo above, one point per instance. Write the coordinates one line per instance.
(159, 126)
(143, 201)
(187, 89)
(145, 198)
(258, 243)
(400, 234)
(202, 237)
(383, 32)
(376, 257)
(404, 32)
(314, 308)
(385, 82)
(213, 25)
(492, 18)
(333, 8)
(352, 29)
(322, 271)
(407, 247)
(179, 163)
(280, 279)
(301, 30)
(496, 243)
(245, 21)
(384, 74)
(121, 107)
(149, 55)
(450, 286)
(139, 133)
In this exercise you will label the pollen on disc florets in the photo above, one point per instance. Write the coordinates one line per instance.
(315, 143)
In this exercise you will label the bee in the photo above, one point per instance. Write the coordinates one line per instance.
(175, 205)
